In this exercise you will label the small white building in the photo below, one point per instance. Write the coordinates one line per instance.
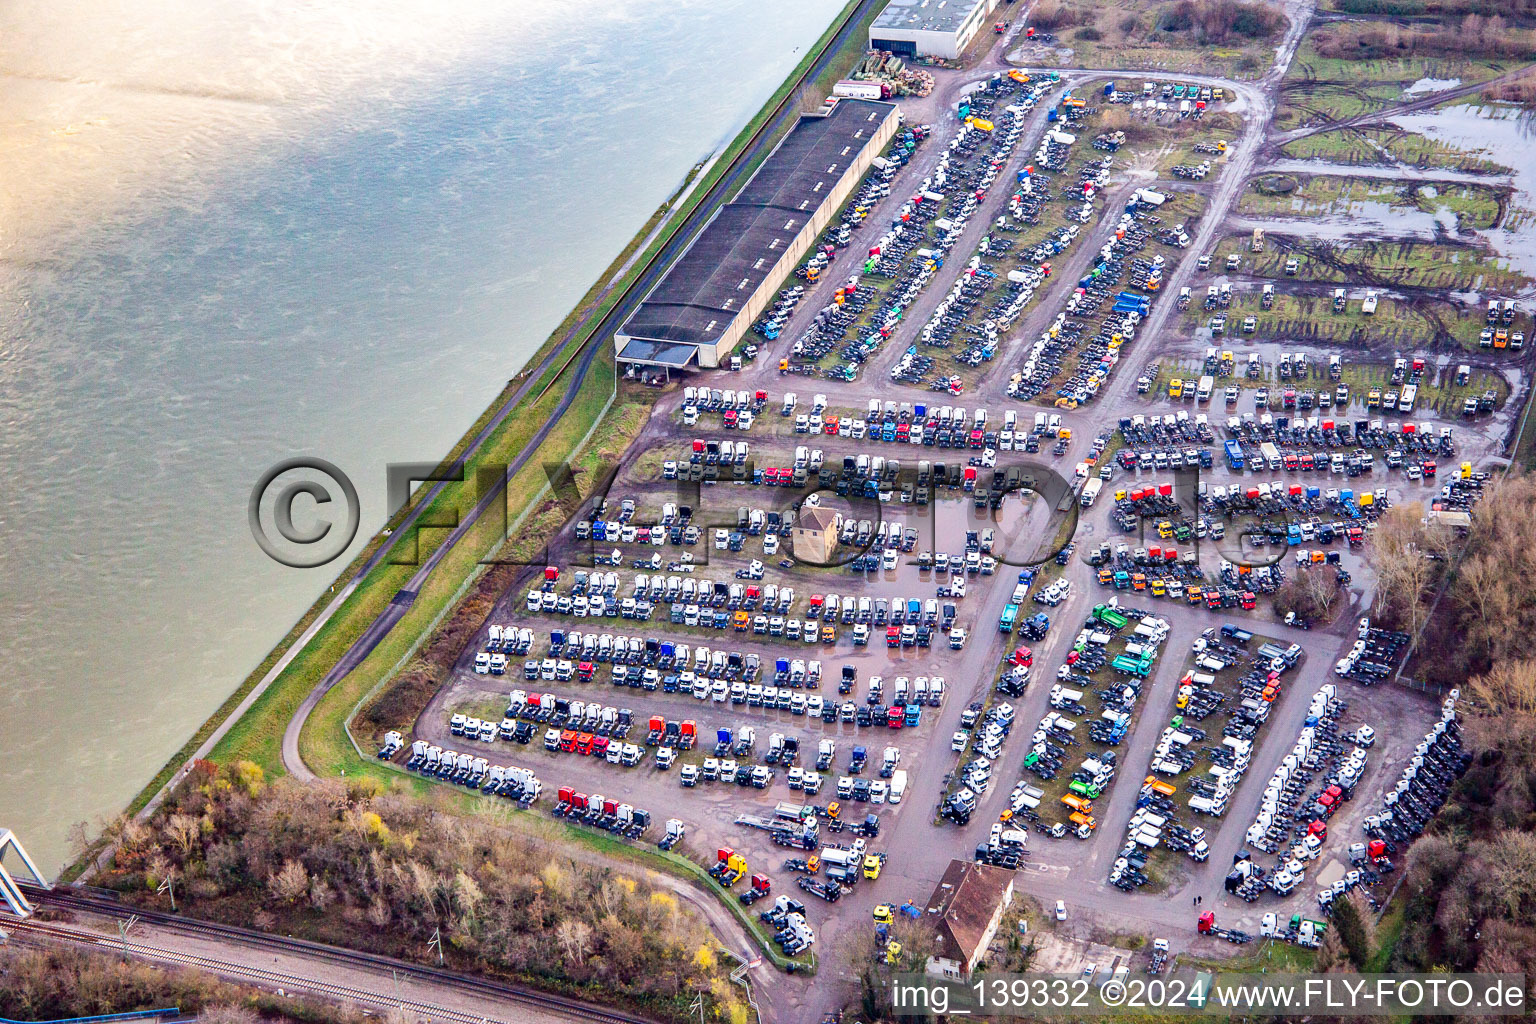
(929, 28)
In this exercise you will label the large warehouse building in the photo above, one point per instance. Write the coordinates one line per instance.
(708, 299)
(929, 28)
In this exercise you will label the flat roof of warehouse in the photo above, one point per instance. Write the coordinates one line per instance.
(704, 290)
(658, 353)
(925, 15)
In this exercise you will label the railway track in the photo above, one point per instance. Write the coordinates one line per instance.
(64, 899)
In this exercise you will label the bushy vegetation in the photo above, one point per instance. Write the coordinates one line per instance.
(351, 864)
(1053, 16)
(399, 703)
(1474, 36)
(1489, 579)
(1471, 891)
(54, 983)
(1522, 10)
(1520, 89)
(1222, 21)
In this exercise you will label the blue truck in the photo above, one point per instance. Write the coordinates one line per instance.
(1234, 455)
(1130, 302)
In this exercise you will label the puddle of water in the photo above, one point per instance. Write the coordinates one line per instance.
(1428, 85)
(1365, 217)
(1298, 166)
(1503, 136)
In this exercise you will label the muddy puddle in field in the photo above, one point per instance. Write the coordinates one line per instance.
(1504, 135)
(1397, 172)
(1425, 86)
(1364, 219)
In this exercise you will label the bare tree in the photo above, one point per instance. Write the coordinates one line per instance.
(289, 884)
(1404, 573)
(1510, 686)
(575, 938)
(1484, 598)
(183, 830)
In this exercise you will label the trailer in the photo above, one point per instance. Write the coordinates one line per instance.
(898, 785)
(857, 90)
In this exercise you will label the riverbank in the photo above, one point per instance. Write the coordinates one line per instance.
(256, 734)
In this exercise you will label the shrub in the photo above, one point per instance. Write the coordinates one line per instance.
(1473, 36)
(1051, 16)
(1220, 21)
(320, 859)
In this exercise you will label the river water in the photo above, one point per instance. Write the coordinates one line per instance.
(235, 232)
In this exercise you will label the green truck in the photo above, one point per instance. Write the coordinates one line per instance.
(1109, 617)
(1138, 667)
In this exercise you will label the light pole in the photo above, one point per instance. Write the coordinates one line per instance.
(124, 926)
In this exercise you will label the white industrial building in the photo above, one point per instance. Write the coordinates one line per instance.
(929, 28)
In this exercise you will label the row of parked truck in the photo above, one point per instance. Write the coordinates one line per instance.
(475, 772)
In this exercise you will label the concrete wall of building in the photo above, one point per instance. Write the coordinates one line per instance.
(814, 546)
(948, 45)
